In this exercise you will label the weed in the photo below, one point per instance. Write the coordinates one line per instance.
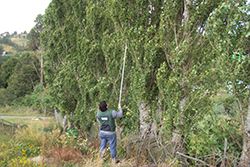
(29, 135)
(65, 154)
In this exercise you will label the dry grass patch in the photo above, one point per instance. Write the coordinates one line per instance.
(67, 154)
(8, 48)
(20, 41)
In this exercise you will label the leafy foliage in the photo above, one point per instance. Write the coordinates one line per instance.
(7, 69)
(18, 155)
(19, 77)
(1, 50)
(178, 59)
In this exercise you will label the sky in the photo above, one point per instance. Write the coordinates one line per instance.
(19, 15)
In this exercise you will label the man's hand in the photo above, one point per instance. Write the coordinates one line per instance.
(119, 105)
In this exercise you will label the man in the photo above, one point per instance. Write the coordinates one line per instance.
(107, 131)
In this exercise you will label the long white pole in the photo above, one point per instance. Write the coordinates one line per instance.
(122, 73)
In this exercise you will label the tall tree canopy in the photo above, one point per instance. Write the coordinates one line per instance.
(170, 72)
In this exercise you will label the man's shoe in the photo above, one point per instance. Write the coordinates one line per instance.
(117, 160)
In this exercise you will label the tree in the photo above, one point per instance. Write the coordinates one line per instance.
(229, 32)
(34, 43)
(24, 77)
(187, 65)
(144, 50)
(1, 49)
(59, 17)
(19, 76)
(139, 29)
(80, 64)
(170, 73)
(7, 34)
(34, 34)
(7, 69)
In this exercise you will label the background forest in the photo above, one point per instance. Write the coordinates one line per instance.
(186, 83)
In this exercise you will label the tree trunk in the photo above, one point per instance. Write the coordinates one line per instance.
(176, 141)
(177, 138)
(144, 113)
(159, 112)
(148, 126)
(187, 5)
(41, 70)
(245, 157)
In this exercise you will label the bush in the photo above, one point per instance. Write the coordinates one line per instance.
(29, 135)
(207, 140)
(35, 99)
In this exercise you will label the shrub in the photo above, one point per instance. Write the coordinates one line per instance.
(207, 141)
(29, 135)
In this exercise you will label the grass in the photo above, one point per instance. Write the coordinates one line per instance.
(34, 123)
(59, 149)
(21, 114)
(24, 111)
(8, 48)
(19, 111)
(20, 41)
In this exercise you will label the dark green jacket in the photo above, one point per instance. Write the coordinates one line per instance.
(107, 121)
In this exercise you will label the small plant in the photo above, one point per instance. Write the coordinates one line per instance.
(29, 135)
(18, 155)
(52, 137)
(209, 139)
(78, 143)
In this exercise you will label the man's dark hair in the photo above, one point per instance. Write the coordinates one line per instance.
(103, 106)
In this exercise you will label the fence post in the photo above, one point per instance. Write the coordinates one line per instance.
(2, 126)
(12, 128)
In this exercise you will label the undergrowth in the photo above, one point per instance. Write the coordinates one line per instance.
(57, 148)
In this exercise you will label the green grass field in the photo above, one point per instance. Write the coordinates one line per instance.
(20, 114)
(20, 41)
(34, 123)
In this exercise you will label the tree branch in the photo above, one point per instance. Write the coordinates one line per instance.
(195, 159)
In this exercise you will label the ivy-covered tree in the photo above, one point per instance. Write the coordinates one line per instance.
(169, 75)
(137, 23)
(228, 29)
(188, 65)
(60, 32)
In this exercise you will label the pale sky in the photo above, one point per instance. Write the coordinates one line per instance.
(19, 15)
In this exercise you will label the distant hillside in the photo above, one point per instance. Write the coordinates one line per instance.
(14, 44)
(20, 40)
(9, 49)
